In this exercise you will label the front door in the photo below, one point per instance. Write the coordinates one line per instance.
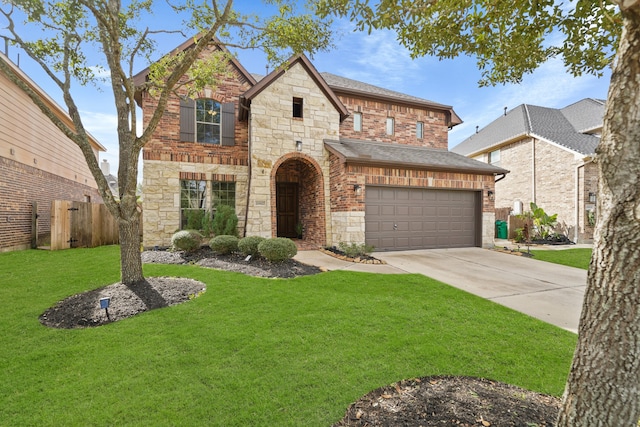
(287, 208)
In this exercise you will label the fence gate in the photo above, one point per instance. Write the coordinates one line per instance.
(81, 225)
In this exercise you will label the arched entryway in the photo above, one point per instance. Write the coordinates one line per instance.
(298, 192)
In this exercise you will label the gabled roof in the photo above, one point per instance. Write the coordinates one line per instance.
(47, 100)
(140, 78)
(263, 83)
(401, 155)
(355, 87)
(566, 127)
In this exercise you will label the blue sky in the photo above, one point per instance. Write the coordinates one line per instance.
(374, 58)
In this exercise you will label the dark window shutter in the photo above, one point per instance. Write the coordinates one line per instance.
(228, 128)
(187, 120)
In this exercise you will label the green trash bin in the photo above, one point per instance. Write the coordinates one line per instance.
(501, 229)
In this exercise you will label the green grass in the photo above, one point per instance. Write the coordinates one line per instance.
(250, 351)
(578, 257)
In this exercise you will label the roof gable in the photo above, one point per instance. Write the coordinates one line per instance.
(275, 74)
(141, 77)
(563, 127)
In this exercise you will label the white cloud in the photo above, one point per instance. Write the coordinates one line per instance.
(549, 86)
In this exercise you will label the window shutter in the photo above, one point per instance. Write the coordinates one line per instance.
(228, 125)
(187, 120)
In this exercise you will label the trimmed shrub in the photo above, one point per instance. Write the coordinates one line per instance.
(224, 244)
(277, 249)
(354, 250)
(249, 245)
(186, 240)
(225, 221)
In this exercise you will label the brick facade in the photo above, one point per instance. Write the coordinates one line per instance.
(329, 209)
(374, 120)
(547, 174)
(20, 186)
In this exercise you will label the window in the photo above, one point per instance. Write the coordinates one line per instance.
(199, 123)
(223, 193)
(192, 204)
(494, 157)
(357, 122)
(419, 130)
(297, 107)
(208, 121)
(390, 125)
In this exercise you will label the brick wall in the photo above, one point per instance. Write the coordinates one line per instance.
(165, 145)
(374, 122)
(517, 185)
(20, 185)
(554, 189)
(347, 206)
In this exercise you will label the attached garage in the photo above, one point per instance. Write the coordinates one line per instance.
(398, 218)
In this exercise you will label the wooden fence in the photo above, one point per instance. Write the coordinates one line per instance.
(81, 225)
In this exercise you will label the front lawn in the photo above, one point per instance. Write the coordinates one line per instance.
(577, 257)
(250, 351)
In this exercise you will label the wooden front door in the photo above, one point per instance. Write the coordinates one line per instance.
(287, 208)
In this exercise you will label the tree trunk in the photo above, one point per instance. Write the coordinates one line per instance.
(130, 258)
(603, 388)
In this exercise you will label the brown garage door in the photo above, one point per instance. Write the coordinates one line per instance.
(411, 218)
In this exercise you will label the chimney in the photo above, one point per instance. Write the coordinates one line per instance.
(104, 166)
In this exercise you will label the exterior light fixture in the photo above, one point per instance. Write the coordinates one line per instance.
(357, 188)
(592, 197)
(298, 146)
(491, 195)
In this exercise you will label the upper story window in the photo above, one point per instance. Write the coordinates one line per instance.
(390, 126)
(297, 107)
(494, 157)
(357, 122)
(208, 121)
(419, 130)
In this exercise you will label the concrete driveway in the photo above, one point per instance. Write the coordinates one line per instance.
(549, 292)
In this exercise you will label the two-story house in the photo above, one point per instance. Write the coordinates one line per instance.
(343, 160)
(551, 155)
(38, 164)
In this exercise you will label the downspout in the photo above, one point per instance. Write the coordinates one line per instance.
(246, 208)
(576, 234)
(533, 171)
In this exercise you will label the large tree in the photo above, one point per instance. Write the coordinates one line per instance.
(74, 39)
(509, 39)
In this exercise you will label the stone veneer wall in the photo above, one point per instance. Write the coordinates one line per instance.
(161, 201)
(274, 132)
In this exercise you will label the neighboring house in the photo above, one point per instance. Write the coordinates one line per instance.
(341, 159)
(38, 164)
(550, 153)
(112, 180)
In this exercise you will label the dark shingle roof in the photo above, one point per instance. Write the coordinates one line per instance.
(563, 127)
(401, 155)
